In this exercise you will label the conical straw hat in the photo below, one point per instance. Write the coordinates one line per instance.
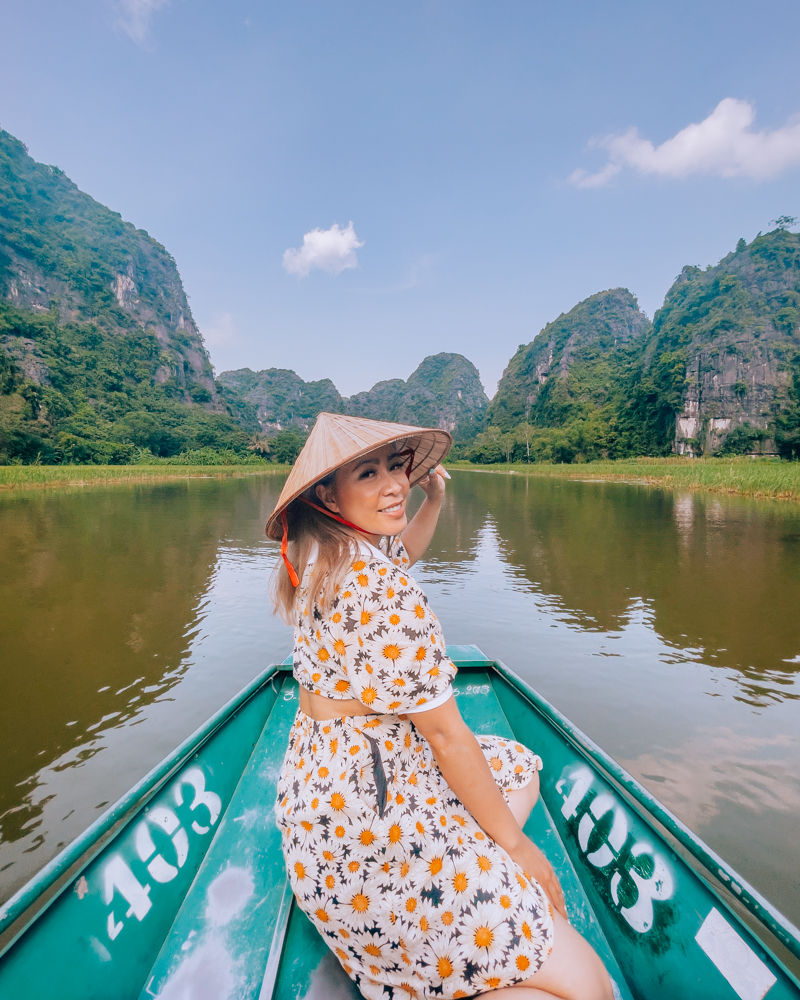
(336, 440)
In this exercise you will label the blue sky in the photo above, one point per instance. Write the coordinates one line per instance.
(468, 143)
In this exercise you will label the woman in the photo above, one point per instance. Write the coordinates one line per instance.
(402, 831)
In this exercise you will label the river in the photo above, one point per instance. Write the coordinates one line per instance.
(666, 626)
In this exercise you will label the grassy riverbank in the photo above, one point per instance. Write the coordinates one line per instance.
(769, 479)
(16, 477)
(763, 478)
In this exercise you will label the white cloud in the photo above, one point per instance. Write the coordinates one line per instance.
(135, 16)
(220, 332)
(332, 250)
(724, 144)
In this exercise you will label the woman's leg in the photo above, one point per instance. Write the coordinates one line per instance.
(522, 800)
(572, 972)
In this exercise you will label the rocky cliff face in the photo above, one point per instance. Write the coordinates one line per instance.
(445, 391)
(736, 325)
(278, 398)
(60, 249)
(714, 363)
(382, 402)
(573, 364)
(448, 388)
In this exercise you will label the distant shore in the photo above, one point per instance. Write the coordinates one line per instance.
(25, 477)
(767, 479)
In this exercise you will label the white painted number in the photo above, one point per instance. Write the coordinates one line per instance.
(118, 877)
(475, 689)
(659, 885)
(617, 836)
(195, 777)
(582, 781)
(160, 869)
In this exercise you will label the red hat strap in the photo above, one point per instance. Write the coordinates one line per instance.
(285, 540)
(411, 453)
(341, 520)
(284, 543)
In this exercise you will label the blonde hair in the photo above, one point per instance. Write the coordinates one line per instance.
(336, 547)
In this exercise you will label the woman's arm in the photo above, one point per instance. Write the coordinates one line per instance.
(465, 770)
(419, 532)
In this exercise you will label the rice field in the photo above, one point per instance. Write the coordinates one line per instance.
(761, 478)
(16, 477)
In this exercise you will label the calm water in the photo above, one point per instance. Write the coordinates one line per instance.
(666, 627)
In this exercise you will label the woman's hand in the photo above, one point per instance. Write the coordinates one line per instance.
(417, 536)
(535, 864)
(433, 484)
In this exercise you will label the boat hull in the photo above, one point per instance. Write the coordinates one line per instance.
(180, 890)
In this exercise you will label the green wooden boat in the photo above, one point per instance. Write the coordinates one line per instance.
(179, 890)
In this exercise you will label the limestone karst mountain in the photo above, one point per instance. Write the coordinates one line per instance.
(573, 364)
(99, 353)
(736, 327)
(444, 391)
(277, 398)
(718, 370)
(101, 361)
(61, 250)
(100, 356)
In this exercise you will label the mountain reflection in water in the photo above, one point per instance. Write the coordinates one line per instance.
(130, 615)
(663, 625)
(722, 578)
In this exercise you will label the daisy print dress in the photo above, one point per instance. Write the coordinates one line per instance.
(411, 895)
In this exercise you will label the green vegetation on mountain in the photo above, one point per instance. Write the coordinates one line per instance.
(444, 391)
(735, 326)
(101, 362)
(718, 371)
(787, 420)
(99, 356)
(60, 249)
(573, 367)
(580, 390)
(276, 398)
(97, 398)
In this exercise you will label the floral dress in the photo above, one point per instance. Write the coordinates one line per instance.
(402, 883)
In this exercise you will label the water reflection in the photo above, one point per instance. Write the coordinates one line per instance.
(683, 512)
(106, 596)
(723, 576)
(663, 625)
(740, 790)
(752, 772)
